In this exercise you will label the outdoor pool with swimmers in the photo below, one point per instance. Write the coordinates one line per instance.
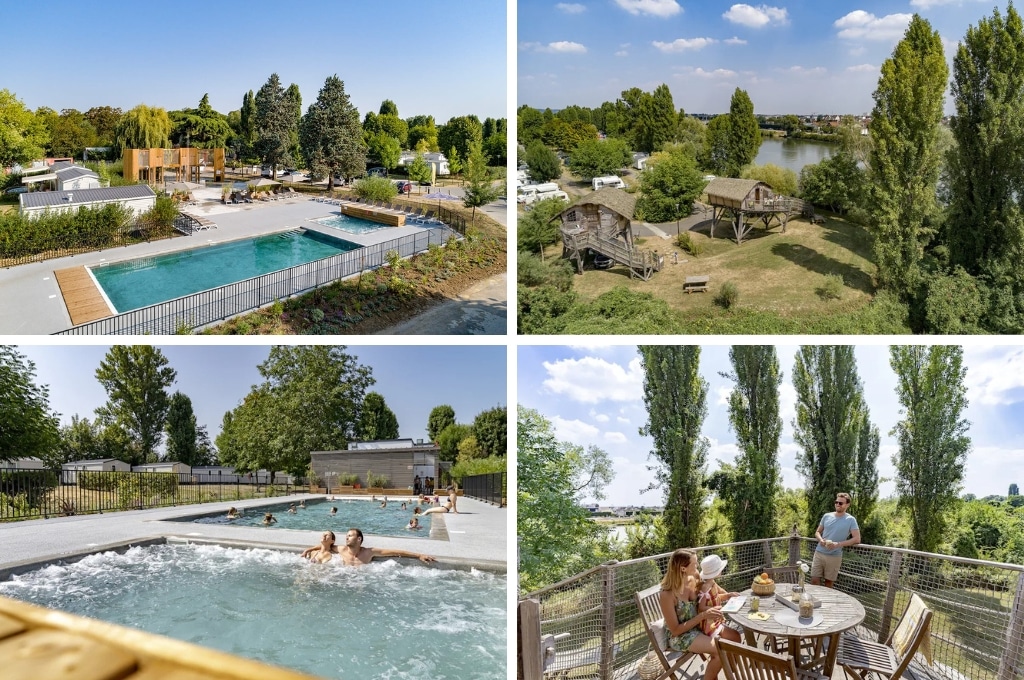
(366, 516)
(382, 620)
(146, 281)
(352, 225)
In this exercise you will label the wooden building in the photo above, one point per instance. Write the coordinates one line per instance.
(185, 164)
(400, 460)
(601, 222)
(745, 201)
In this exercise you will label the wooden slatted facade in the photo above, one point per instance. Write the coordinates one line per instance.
(399, 464)
(741, 199)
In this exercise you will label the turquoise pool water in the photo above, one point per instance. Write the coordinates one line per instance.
(352, 225)
(367, 516)
(383, 620)
(147, 281)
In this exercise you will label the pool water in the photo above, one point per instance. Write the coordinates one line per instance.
(382, 620)
(367, 516)
(146, 281)
(352, 225)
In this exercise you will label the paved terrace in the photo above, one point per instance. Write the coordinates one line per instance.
(31, 302)
(475, 536)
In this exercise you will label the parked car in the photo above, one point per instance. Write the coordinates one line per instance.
(15, 190)
(602, 261)
(377, 172)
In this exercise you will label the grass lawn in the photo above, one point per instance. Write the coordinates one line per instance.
(780, 273)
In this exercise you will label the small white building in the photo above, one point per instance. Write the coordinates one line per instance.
(139, 198)
(176, 468)
(76, 177)
(23, 464)
(71, 470)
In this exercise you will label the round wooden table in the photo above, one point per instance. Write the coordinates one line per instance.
(839, 612)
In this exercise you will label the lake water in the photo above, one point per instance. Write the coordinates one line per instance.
(793, 154)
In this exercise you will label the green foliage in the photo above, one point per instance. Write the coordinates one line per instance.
(649, 118)
(782, 180)
(692, 246)
(744, 133)
(375, 188)
(348, 478)
(385, 149)
(27, 425)
(29, 487)
(932, 436)
(163, 213)
(86, 229)
(181, 431)
(716, 145)
(136, 489)
(136, 378)
(832, 288)
(274, 123)
(540, 226)
(543, 162)
(376, 420)
(23, 135)
(595, 157)
(143, 127)
(461, 133)
(835, 183)
(440, 417)
(646, 536)
(954, 304)
(496, 149)
(541, 309)
(669, 185)
(375, 481)
(532, 271)
(201, 127)
(479, 466)
(419, 170)
(479, 190)
(728, 295)
(490, 428)
(676, 398)
(449, 439)
(330, 134)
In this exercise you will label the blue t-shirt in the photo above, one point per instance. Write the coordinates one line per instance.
(836, 529)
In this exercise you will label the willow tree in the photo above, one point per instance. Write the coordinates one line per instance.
(932, 437)
(676, 399)
(829, 418)
(144, 127)
(905, 159)
(754, 417)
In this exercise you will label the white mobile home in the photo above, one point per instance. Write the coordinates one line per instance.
(609, 181)
(139, 198)
(176, 468)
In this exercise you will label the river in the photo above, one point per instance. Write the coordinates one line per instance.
(793, 154)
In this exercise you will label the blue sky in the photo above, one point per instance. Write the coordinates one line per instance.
(412, 379)
(594, 396)
(791, 56)
(445, 60)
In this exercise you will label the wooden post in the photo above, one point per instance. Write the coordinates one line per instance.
(607, 665)
(768, 561)
(1013, 654)
(890, 596)
(794, 547)
(528, 656)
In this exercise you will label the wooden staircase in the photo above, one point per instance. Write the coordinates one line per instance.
(641, 263)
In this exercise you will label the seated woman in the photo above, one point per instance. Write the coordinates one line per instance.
(444, 508)
(678, 599)
(323, 551)
(233, 514)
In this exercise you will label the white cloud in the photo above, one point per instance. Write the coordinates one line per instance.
(802, 71)
(756, 17)
(682, 44)
(592, 379)
(615, 437)
(622, 53)
(717, 73)
(995, 377)
(862, 68)
(735, 41)
(861, 25)
(985, 464)
(599, 417)
(928, 4)
(571, 7)
(620, 419)
(787, 402)
(721, 452)
(560, 47)
(574, 431)
(656, 8)
(723, 393)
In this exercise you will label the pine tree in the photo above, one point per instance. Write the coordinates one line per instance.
(274, 124)
(331, 136)
(182, 433)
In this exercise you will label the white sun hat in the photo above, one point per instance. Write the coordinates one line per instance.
(712, 566)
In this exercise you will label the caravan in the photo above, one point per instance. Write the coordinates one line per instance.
(609, 181)
(535, 192)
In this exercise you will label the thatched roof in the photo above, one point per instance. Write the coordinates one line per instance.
(621, 202)
(731, 189)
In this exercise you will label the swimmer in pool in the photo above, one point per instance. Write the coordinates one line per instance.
(292, 510)
(233, 514)
(384, 503)
(354, 554)
(302, 504)
(416, 511)
(403, 506)
(447, 507)
(414, 523)
(269, 519)
(333, 512)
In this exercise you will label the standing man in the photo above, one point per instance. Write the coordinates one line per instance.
(835, 531)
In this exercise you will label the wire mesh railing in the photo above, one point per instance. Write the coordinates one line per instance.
(36, 494)
(977, 629)
(214, 305)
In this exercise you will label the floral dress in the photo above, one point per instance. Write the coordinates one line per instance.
(685, 610)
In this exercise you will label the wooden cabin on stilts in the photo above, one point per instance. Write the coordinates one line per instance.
(745, 201)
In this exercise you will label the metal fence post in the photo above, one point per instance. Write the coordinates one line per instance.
(1013, 655)
(607, 665)
(890, 596)
(530, 665)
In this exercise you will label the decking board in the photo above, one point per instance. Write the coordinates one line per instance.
(81, 297)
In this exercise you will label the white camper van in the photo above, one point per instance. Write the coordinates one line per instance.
(533, 192)
(610, 181)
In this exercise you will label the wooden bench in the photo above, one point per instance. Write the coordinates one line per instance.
(696, 284)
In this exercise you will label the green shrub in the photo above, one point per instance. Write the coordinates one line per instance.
(137, 489)
(374, 480)
(479, 466)
(728, 295)
(348, 479)
(375, 188)
(27, 487)
(832, 288)
(540, 307)
(689, 244)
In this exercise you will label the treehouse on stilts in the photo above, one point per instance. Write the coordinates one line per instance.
(745, 202)
(601, 222)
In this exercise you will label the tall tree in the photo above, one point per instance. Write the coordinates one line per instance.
(490, 428)
(23, 135)
(181, 431)
(136, 378)
(984, 229)
(676, 399)
(745, 133)
(905, 159)
(104, 121)
(543, 163)
(27, 426)
(670, 184)
(829, 415)
(865, 480)
(144, 127)
(331, 136)
(247, 127)
(595, 158)
(754, 416)
(201, 127)
(376, 420)
(274, 124)
(715, 156)
(440, 417)
(460, 132)
(388, 107)
(480, 188)
(932, 436)
(556, 536)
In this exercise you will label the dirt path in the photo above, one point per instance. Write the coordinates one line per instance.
(481, 309)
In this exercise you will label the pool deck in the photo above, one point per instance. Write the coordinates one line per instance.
(31, 301)
(473, 535)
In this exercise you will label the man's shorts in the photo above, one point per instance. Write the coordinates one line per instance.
(826, 565)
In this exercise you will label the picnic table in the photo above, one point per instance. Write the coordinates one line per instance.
(696, 284)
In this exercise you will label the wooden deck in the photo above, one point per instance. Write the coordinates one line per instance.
(38, 643)
(84, 301)
(380, 215)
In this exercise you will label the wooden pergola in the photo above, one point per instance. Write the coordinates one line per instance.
(746, 201)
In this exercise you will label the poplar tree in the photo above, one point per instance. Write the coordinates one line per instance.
(744, 133)
(331, 136)
(376, 420)
(676, 400)
(829, 418)
(865, 480)
(932, 436)
(182, 433)
(905, 159)
(440, 417)
(754, 417)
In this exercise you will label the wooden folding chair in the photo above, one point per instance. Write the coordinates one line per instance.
(860, 657)
(740, 662)
(672, 662)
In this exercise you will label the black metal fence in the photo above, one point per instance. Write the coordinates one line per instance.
(490, 488)
(210, 306)
(34, 494)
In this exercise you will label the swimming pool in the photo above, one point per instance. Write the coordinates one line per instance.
(366, 515)
(146, 281)
(352, 225)
(382, 620)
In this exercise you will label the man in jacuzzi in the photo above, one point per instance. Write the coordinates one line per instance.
(353, 553)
